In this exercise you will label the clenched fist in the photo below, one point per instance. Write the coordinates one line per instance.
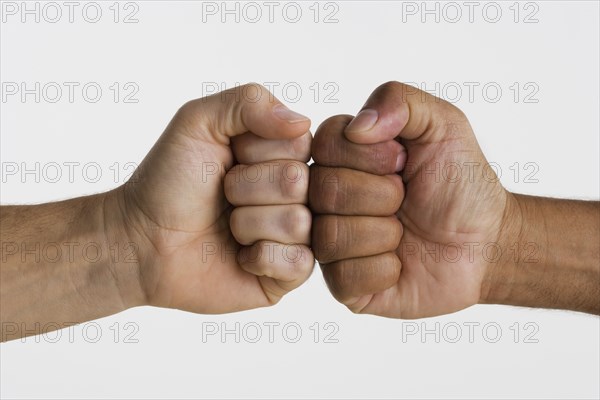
(404, 244)
(218, 205)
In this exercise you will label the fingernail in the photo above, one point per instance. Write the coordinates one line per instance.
(282, 112)
(401, 161)
(364, 121)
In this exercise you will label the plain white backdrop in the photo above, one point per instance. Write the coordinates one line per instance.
(526, 74)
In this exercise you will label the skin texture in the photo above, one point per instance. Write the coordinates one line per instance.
(453, 236)
(178, 216)
(215, 220)
(183, 243)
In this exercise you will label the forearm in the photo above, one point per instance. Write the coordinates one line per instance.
(558, 262)
(63, 263)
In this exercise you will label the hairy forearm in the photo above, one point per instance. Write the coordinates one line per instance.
(62, 263)
(562, 267)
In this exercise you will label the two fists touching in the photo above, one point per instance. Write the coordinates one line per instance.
(400, 208)
(227, 215)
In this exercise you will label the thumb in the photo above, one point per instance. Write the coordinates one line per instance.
(247, 108)
(398, 110)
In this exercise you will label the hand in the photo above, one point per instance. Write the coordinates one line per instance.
(412, 245)
(198, 253)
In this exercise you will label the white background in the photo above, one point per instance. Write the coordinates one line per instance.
(171, 53)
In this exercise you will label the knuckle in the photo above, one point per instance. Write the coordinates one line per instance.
(263, 258)
(394, 192)
(294, 181)
(388, 269)
(301, 147)
(299, 221)
(264, 264)
(230, 184)
(300, 259)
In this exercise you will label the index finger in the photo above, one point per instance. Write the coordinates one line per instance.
(332, 149)
(395, 109)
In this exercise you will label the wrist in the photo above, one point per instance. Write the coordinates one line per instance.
(499, 282)
(125, 249)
